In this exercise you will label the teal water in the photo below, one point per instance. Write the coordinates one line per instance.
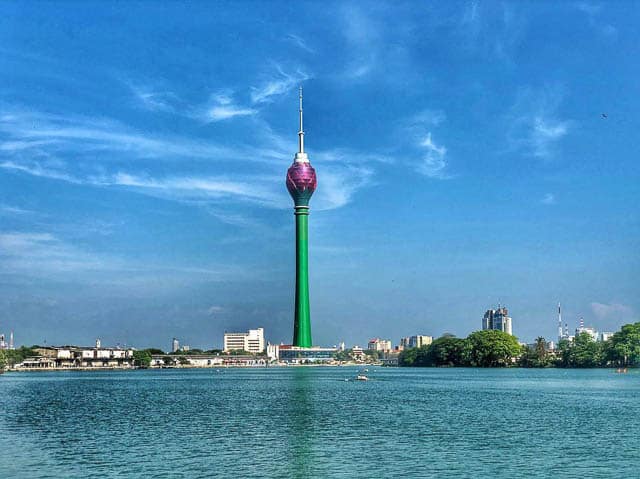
(309, 422)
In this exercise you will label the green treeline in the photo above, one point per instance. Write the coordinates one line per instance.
(9, 357)
(497, 349)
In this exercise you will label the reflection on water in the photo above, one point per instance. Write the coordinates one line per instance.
(300, 403)
(309, 422)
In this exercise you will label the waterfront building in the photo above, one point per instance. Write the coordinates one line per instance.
(380, 345)
(69, 357)
(301, 183)
(357, 353)
(497, 319)
(299, 355)
(175, 345)
(420, 340)
(273, 351)
(251, 341)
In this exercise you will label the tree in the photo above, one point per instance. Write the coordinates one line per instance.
(582, 352)
(407, 357)
(168, 360)
(623, 349)
(3, 361)
(447, 351)
(535, 356)
(492, 348)
(155, 351)
(142, 358)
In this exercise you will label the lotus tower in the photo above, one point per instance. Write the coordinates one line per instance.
(301, 183)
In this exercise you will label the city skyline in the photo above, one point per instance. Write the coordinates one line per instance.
(470, 155)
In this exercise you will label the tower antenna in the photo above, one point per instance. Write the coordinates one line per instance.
(301, 131)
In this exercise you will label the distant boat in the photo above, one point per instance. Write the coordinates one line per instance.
(361, 377)
(622, 370)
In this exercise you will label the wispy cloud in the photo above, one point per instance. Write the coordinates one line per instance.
(548, 199)
(224, 108)
(592, 11)
(610, 310)
(299, 42)
(14, 210)
(23, 252)
(277, 84)
(534, 126)
(434, 162)
(46, 133)
(362, 38)
(152, 99)
(339, 183)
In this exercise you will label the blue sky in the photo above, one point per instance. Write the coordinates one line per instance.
(461, 151)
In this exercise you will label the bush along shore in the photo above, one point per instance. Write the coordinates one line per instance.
(492, 348)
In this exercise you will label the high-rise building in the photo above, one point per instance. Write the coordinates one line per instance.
(175, 345)
(11, 346)
(380, 345)
(497, 319)
(251, 341)
(420, 340)
(301, 183)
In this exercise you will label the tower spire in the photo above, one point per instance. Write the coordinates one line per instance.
(301, 131)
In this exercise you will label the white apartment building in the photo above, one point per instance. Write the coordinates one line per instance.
(251, 341)
(380, 345)
(420, 340)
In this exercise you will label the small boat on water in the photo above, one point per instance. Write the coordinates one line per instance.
(622, 370)
(361, 377)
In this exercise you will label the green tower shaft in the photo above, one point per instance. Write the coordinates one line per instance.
(301, 183)
(302, 321)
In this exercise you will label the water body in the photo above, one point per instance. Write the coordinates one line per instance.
(310, 422)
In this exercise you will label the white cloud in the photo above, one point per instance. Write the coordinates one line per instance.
(224, 107)
(13, 210)
(277, 85)
(299, 42)
(433, 162)
(533, 124)
(154, 100)
(617, 310)
(223, 112)
(339, 183)
(548, 199)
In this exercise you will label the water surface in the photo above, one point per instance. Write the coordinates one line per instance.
(310, 422)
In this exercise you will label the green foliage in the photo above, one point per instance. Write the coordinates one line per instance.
(536, 356)
(15, 356)
(142, 358)
(168, 360)
(583, 352)
(492, 348)
(447, 351)
(3, 361)
(155, 351)
(342, 355)
(482, 348)
(624, 347)
(240, 352)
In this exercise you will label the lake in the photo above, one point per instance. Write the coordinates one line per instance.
(310, 422)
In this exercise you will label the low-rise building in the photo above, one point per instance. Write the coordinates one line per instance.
(357, 353)
(298, 355)
(68, 357)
